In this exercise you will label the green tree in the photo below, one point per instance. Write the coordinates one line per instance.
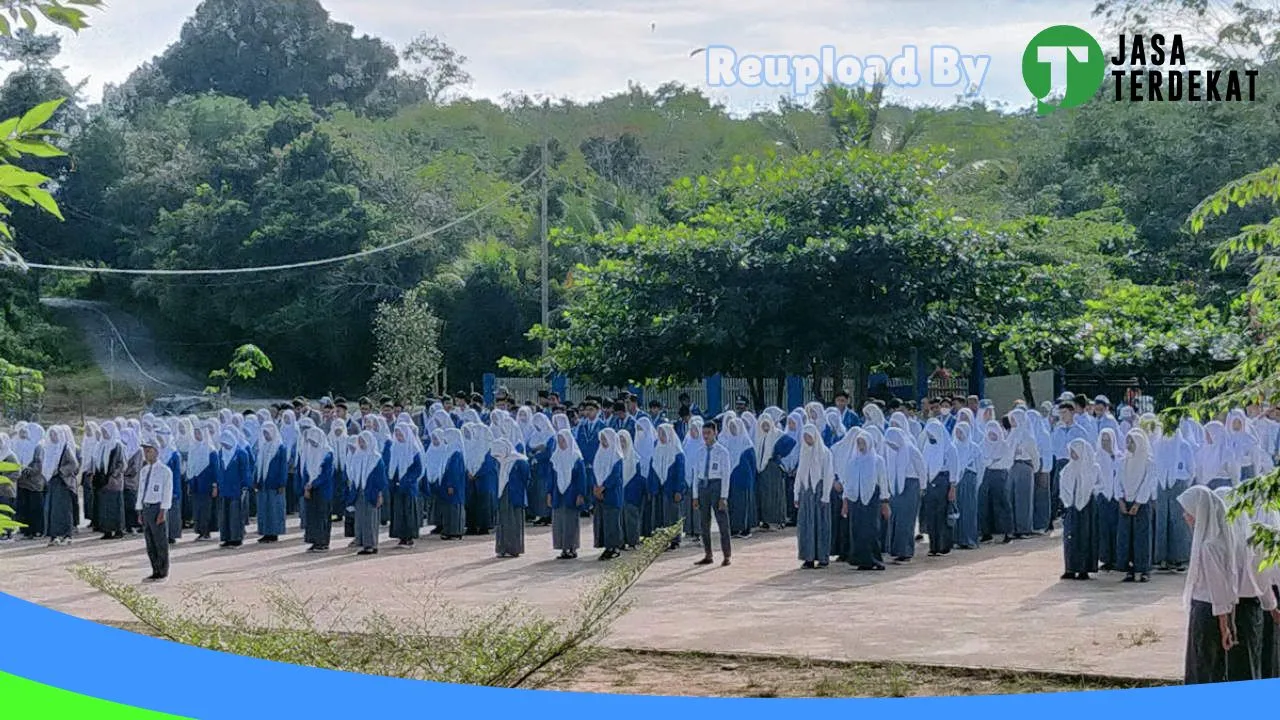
(408, 357)
(245, 364)
(1255, 377)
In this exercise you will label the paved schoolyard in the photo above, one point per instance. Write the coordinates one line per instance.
(1001, 606)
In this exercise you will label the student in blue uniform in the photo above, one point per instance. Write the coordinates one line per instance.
(451, 492)
(202, 476)
(513, 486)
(634, 486)
(366, 491)
(644, 442)
(316, 470)
(668, 472)
(588, 441)
(404, 477)
(905, 472)
(742, 478)
(566, 495)
(234, 477)
(270, 477)
(482, 481)
(608, 491)
(170, 457)
(1077, 481)
(539, 446)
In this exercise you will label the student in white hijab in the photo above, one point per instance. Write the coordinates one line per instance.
(1256, 604)
(771, 446)
(905, 472)
(668, 472)
(995, 502)
(31, 483)
(1171, 456)
(366, 491)
(404, 478)
(941, 466)
(482, 478)
(1109, 456)
(1137, 518)
(1242, 445)
(743, 513)
(513, 486)
(1042, 499)
(607, 515)
(634, 487)
(88, 466)
(59, 468)
(692, 444)
(1215, 463)
(1022, 480)
(644, 442)
(539, 445)
(1076, 483)
(316, 472)
(793, 425)
(969, 466)
(865, 503)
(1212, 586)
(271, 475)
(566, 494)
(815, 479)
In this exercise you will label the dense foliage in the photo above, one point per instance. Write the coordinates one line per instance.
(1050, 240)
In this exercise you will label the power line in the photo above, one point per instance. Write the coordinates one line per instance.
(13, 260)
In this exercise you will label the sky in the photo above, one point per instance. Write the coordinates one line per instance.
(583, 49)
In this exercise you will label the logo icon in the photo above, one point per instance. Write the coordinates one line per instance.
(1066, 57)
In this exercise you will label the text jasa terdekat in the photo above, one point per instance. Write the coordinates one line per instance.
(1145, 66)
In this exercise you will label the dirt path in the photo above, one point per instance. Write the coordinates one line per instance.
(124, 348)
(997, 607)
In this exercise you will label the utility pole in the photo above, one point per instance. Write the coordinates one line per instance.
(546, 315)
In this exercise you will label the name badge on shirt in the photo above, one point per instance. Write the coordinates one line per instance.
(155, 488)
(715, 466)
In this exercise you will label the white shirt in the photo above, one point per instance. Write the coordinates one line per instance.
(717, 468)
(155, 486)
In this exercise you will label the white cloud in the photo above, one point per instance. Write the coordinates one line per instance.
(588, 48)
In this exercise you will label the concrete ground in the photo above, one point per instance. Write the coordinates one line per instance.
(997, 607)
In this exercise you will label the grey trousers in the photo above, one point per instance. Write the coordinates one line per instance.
(157, 535)
(708, 505)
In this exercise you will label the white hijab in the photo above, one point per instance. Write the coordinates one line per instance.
(630, 460)
(51, 453)
(607, 454)
(269, 444)
(814, 470)
(767, 435)
(1209, 514)
(505, 453)
(435, 457)
(1080, 476)
(475, 445)
(314, 447)
(1136, 463)
(563, 459)
(404, 452)
(666, 451)
(862, 477)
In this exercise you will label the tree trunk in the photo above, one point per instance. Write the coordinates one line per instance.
(756, 384)
(816, 388)
(1028, 393)
(861, 372)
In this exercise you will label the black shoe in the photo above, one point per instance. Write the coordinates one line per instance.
(1144, 577)
(367, 551)
(705, 561)
(1083, 576)
(264, 539)
(725, 563)
(1128, 578)
(563, 556)
(807, 566)
(224, 544)
(107, 536)
(606, 555)
(1067, 576)
(172, 541)
(823, 566)
(1007, 539)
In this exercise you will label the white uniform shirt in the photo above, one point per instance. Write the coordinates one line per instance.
(155, 486)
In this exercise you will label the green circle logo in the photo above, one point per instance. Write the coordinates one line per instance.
(1066, 57)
